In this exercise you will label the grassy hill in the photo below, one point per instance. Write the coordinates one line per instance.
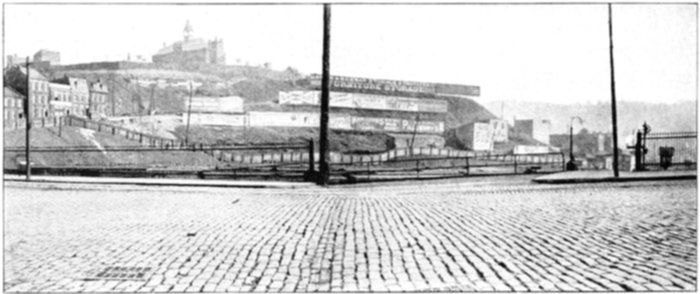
(260, 88)
(77, 137)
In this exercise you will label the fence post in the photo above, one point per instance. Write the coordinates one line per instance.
(311, 155)
(417, 168)
(467, 166)
(563, 162)
(368, 169)
(515, 163)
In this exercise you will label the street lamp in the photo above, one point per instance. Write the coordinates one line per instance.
(571, 165)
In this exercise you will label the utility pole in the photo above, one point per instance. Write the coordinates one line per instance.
(28, 118)
(325, 89)
(616, 170)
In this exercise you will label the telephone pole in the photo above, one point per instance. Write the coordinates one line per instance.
(325, 89)
(28, 118)
(616, 170)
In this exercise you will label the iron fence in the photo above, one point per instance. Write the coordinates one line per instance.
(671, 150)
(443, 167)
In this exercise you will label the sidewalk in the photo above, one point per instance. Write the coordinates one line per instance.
(160, 182)
(607, 176)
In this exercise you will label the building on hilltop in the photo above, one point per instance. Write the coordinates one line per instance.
(46, 58)
(15, 59)
(191, 51)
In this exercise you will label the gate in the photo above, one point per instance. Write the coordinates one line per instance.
(673, 149)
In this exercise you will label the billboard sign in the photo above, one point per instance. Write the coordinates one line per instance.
(231, 104)
(482, 138)
(499, 129)
(395, 86)
(364, 101)
(215, 119)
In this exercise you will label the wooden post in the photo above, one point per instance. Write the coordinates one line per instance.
(28, 118)
(325, 88)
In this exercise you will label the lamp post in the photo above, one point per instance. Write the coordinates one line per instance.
(571, 165)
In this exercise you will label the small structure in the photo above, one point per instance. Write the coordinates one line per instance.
(538, 129)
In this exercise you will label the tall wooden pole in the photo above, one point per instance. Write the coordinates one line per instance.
(28, 118)
(616, 170)
(325, 89)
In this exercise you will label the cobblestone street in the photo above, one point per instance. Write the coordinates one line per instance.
(428, 236)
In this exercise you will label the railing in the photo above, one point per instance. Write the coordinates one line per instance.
(441, 167)
(682, 144)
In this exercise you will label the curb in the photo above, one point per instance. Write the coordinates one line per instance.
(613, 179)
(171, 184)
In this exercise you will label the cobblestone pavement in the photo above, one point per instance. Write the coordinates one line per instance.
(432, 236)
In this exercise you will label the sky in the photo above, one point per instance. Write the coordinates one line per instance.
(545, 53)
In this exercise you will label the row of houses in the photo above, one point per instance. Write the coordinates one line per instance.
(50, 99)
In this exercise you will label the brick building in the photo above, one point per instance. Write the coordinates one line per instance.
(13, 105)
(79, 94)
(60, 100)
(191, 51)
(98, 99)
(16, 77)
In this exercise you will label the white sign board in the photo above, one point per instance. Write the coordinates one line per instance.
(482, 139)
(215, 119)
(364, 101)
(231, 104)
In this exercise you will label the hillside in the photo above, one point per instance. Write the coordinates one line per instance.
(260, 89)
(675, 117)
(78, 137)
(346, 142)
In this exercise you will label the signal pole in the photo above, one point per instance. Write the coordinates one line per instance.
(616, 170)
(325, 89)
(28, 121)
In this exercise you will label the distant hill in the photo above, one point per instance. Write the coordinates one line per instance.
(674, 117)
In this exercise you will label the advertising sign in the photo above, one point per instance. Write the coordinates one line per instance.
(527, 149)
(395, 86)
(214, 119)
(364, 101)
(341, 122)
(283, 119)
(231, 104)
(482, 137)
(499, 129)
(300, 97)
